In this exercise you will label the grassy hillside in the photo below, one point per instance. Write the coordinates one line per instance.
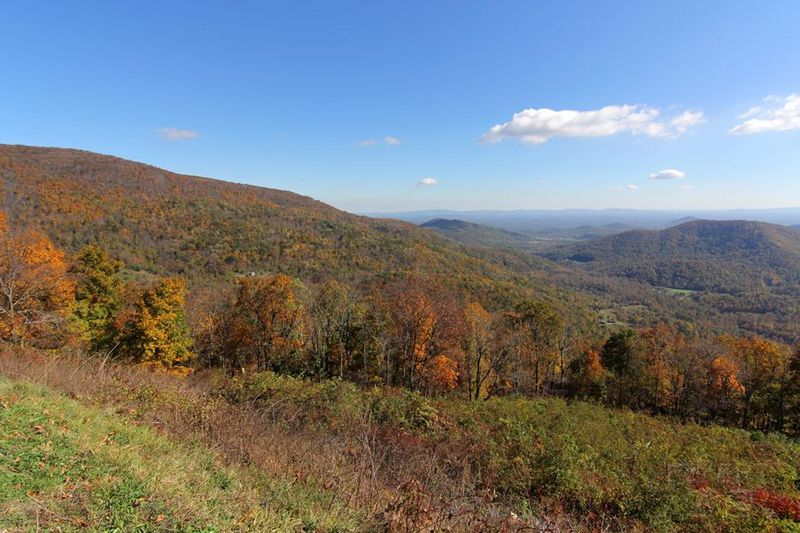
(328, 456)
(67, 466)
(165, 223)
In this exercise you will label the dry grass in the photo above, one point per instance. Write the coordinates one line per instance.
(361, 467)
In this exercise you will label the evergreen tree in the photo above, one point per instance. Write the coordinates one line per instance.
(97, 296)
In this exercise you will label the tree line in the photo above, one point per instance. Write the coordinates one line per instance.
(411, 332)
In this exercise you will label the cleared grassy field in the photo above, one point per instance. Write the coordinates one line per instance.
(67, 467)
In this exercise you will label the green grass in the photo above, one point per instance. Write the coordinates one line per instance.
(65, 466)
(675, 292)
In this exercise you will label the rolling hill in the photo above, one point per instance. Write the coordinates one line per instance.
(535, 240)
(745, 271)
(719, 256)
(478, 234)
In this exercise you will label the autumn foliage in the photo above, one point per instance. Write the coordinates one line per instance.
(425, 330)
(35, 290)
(156, 332)
(411, 331)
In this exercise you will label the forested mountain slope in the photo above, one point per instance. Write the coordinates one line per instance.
(742, 274)
(159, 222)
(734, 257)
(478, 234)
(165, 223)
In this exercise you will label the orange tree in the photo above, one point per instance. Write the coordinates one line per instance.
(426, 328)
(35, 291)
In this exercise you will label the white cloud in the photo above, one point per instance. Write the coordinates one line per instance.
(427, 182)
(628, 187)
(680, 124)
(389, 140)
(668, 174)
(177, 134)
(777, 114)
(686, 187)
(536, 126)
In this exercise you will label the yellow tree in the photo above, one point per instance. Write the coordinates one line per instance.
(761, 364)
(482, 355)
(337, 323)
(539, 328)
(157, 333)
(35, 291)
(673, 369)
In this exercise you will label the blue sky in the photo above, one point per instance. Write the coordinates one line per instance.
(356, 103)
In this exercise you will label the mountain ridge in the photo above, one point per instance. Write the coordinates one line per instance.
(161, 222)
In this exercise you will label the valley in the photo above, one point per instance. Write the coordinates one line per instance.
(244, 301)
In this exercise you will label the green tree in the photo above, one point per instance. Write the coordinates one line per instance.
(624, 355)
(97, 296)
(793, 393)
(619, 350)
(587, 375)
(337, 330)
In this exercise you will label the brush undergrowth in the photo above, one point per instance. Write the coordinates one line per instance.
(299, 454)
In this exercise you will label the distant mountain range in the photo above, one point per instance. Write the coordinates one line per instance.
(547, 222)
(478, 234)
